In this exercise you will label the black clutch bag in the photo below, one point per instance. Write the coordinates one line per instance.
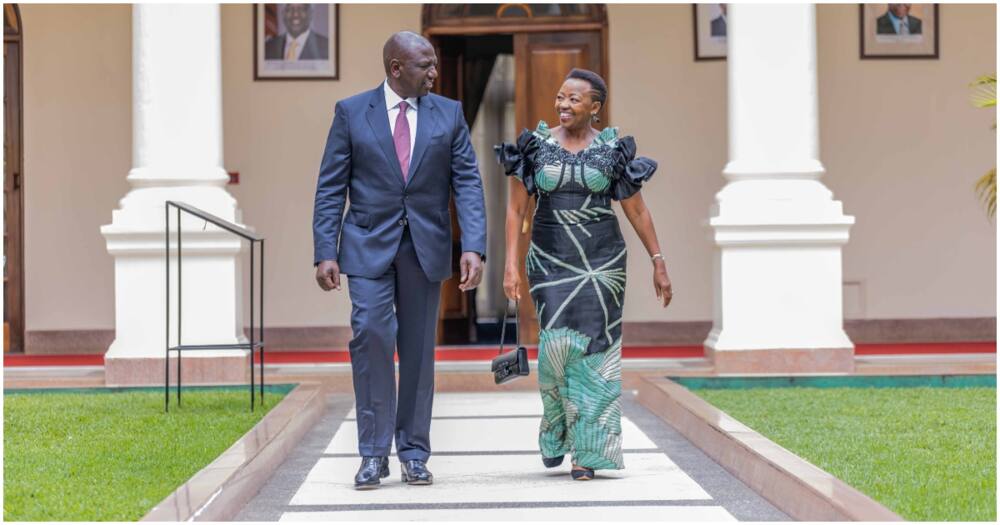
(512, 364)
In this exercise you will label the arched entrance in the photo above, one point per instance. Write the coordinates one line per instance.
(13, 156)
(541, 43)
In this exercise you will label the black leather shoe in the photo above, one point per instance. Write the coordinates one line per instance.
(552, 462)
(582, 473)
(373, 469)
(415, 473)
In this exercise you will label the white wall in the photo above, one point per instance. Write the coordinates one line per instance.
(903, 147)
(901, 144)
(77, 152)
(676, 109)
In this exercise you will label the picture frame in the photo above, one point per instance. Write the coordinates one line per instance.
(296, 41)
(885, 35)
(709, 31)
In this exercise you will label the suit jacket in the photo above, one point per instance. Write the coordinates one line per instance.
(718, 27)
(360, 163)
(883, 25)
(315, 48)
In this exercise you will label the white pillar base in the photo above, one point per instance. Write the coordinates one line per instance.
(778, 279)
(196, 369)
(213, 288)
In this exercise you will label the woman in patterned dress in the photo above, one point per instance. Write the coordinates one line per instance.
(576, 268)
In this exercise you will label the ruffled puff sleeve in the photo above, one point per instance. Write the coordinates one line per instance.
(629, 171)
(518, 159)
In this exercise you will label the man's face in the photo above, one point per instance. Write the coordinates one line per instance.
(297, 18)
(416, 71)
(900, 10)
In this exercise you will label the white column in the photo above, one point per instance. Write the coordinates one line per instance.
(777, 230)
(176, 155)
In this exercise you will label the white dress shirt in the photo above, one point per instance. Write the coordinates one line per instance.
(899, 23)
(300, 43)
(392, 101)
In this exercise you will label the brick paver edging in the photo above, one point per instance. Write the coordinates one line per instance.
(797, 487)
(218, 491)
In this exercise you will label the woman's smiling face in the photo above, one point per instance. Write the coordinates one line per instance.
(575, 103)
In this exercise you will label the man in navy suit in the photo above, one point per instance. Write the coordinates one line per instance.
(300, 42)
(719, 23)
(898, 21)
(398, 152)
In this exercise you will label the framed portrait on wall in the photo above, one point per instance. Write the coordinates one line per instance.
(296, 41)
(899, 30)
(709, 31)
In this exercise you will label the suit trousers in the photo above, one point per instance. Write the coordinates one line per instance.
(397, 310)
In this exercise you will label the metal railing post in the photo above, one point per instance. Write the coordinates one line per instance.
(252, 333)
(261, 311)
(166, 261)
(180, 306)
(256, 316)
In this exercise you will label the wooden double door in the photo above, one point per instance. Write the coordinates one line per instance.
(542, 60)
(13, 154)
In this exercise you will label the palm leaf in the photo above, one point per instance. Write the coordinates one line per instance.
(986, 188)
(984, 91)
(984, 95)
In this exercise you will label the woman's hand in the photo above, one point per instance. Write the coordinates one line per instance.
(661, 282)
(512, 283)
(642, 221)
(517, 207)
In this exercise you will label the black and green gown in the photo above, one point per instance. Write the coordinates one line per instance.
(576, 273)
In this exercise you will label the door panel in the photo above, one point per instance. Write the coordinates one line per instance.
(456, 319)
(13, 263)
(542, 62)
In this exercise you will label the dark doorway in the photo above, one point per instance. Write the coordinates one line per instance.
(13, 157)
(543, 42)
(476, 70)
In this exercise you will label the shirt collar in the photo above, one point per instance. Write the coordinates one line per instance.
(301, 38)
(895, 18)
(392, 99)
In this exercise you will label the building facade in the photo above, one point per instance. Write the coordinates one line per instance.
(899, 140)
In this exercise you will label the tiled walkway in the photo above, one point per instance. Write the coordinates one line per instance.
(486, 468)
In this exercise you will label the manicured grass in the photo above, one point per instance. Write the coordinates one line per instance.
(112, 456)
(926, 453)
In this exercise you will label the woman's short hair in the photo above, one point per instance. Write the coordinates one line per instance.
(597, 84)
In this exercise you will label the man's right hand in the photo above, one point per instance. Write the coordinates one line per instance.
(328, 275)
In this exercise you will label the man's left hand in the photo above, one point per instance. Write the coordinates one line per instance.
(472, 271)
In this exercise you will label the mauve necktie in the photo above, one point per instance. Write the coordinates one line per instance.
(401, 138)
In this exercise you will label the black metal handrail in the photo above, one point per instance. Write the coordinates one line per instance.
(256, 336)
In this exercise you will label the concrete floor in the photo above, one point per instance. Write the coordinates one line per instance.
(487, 468)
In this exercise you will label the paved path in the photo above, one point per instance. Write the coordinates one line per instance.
(486, 468)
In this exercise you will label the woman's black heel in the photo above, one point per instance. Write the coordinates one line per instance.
(552, 462)
(582, 473)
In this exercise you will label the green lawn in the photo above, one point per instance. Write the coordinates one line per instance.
(112, 456)
(926, 453)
